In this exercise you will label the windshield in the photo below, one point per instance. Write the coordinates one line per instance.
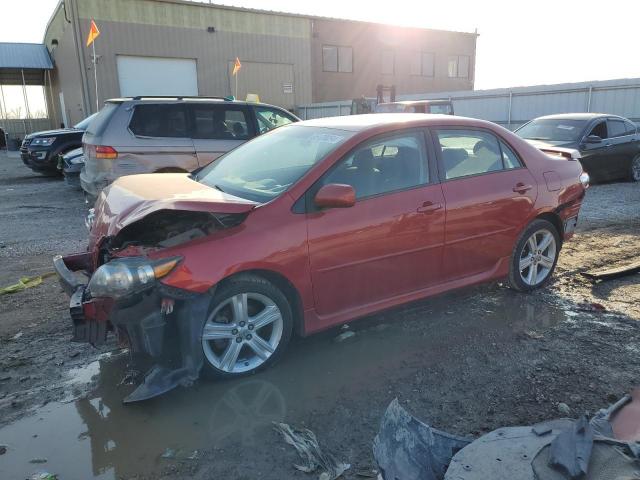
(82, 125)
(263, 168)
(553, 130)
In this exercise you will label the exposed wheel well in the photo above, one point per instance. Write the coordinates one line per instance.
(171, 170)
(287, 289)
(556, 221)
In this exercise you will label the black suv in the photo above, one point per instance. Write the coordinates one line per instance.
(39, 151)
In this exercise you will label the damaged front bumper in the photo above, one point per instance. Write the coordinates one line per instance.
(162, 326)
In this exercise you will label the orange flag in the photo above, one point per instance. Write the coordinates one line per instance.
(236, 67)
(93, 33)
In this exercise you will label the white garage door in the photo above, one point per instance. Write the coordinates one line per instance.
(156, 76)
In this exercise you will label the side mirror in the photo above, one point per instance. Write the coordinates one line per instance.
(593, 139)
(335, 195)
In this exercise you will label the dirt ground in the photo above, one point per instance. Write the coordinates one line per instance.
(466, 362)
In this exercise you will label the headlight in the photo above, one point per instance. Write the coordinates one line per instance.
(584, 179)
(77, 160)
(125, 276)
(43, 142)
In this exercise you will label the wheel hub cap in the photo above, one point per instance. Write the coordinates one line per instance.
(538, 257)
(242, 332)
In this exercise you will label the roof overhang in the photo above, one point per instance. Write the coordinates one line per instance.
(23, 61)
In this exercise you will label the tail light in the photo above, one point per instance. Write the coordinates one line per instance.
(105, 152)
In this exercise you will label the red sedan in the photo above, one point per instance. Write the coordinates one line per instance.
(310, 226)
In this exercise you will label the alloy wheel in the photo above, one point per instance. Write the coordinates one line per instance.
(242, 332)
(538, 257)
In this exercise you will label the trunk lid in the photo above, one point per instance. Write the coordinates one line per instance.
(133, 197)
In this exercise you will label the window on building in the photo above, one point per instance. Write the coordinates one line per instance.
(459, 66)
(428, 64)
(337, 59)
(345, 59)
(415, 63)
(159, 121)
(388, 62)
(422, 64)
(329, 58)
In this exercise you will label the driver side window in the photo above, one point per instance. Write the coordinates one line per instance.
(383, 165)
(600, 129)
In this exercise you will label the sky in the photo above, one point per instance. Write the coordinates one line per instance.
(520, 43)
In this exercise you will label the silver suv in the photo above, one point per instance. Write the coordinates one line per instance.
(168, 134)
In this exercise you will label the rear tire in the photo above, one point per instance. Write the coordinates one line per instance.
(534, 256)
(634, 169)
(248, 327)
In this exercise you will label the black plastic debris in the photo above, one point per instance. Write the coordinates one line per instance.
(571, 450)
(406, 448)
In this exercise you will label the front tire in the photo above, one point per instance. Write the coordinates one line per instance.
(247, 329)
(535, 256)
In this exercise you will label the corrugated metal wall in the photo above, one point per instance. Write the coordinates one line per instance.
(512, 107)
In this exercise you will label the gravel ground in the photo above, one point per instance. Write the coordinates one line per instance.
(467, 362)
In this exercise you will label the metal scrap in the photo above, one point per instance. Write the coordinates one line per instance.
(614, 272)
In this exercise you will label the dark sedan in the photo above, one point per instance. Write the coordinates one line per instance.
(71, 164)
(39, 151)
(609, 145)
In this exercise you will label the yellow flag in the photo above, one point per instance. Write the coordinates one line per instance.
(236, 67)
(93, 33)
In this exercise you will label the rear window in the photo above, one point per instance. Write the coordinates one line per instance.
(82, 125)
(159, 121)
(99, 122)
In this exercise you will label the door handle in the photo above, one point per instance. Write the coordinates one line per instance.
(607, 145)
(522, 188)
(429, 207)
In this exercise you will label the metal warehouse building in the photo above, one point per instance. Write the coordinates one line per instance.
(175, 47)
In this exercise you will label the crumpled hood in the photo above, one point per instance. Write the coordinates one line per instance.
(133, 197)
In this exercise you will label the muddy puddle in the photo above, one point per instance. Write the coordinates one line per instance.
(98, 437)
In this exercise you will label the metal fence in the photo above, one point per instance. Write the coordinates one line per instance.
(511, 107)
